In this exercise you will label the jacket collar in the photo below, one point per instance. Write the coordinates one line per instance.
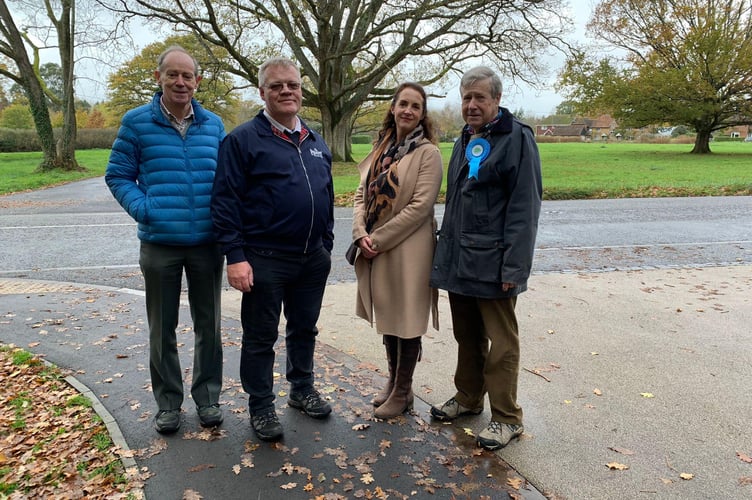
(264, 127)
(199, 115)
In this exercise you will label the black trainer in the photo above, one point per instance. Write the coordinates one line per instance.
(311, 403)
(266, 425)
(210, 416)
(167, 421)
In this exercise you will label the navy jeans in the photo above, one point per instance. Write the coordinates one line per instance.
(296, 282)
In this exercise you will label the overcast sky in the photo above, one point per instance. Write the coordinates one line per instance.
(534, 102)
(92, 87)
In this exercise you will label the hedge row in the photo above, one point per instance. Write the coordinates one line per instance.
(23, 140)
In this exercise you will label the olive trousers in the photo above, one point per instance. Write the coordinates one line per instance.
(488, 354)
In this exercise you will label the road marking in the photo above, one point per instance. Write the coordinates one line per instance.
(83, 268)
(66, 226)
(646, 245)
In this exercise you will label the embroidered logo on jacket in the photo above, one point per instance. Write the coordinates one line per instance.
(316, 153)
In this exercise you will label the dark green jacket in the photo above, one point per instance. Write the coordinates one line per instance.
(490, 223)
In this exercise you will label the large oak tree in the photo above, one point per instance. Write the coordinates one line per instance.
(686, 62)
(353, 51)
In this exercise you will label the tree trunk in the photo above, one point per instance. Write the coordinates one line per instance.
(338, 135)
(66, 151)
(702, 142)
(41, 116)
(27, 78)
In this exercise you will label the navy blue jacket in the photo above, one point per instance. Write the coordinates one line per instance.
(272, 194)
(164, 181)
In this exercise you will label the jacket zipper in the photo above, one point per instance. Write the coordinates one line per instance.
(310, 193)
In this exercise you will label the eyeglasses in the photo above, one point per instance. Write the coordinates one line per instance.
(278, 86)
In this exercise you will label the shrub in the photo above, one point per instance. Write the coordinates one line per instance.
(362, 139)
(23, 140)
(95, 138)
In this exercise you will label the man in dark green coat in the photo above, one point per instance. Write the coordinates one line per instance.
(485, 253)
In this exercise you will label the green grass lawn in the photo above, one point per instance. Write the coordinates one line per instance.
(570, 170)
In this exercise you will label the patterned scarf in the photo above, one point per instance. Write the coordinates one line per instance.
(382, 180)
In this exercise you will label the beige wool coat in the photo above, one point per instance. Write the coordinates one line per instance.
(393, 287)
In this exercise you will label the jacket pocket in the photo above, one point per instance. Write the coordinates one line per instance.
(480, 258)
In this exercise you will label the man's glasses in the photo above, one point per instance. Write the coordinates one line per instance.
(278, 86)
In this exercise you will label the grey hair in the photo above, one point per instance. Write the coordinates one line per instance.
(176, 48)
(482, 73)
(275, 61)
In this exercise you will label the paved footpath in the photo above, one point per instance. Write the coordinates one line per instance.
(99, 334)
(648, 369)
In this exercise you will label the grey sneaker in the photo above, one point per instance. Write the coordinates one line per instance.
(167, 421)
(210, 416)
(452, 409)
(311, 403)
(266, 425)
(497, 435)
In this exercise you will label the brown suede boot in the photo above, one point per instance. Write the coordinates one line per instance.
(391, 345)
(401, 399)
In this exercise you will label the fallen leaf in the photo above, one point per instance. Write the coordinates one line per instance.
(360, 427)
(515, 482)
(744, 480)
(686, 476)
(617, 466)
(468, 431)
(289, 486)
(647, 395)
(744, 457)
(597, 392)
(367, 478)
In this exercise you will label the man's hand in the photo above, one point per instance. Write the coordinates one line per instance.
(505, 287)
(240, 276)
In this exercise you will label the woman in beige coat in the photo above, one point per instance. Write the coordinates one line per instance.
(394, 229)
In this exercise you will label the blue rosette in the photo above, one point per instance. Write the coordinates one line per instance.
(477, 150)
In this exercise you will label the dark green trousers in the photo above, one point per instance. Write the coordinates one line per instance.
(162, 267)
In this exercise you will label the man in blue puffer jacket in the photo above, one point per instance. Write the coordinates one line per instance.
(161, 171)
(273, 211)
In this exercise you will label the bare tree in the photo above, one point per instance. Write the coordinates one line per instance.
(353, 51)
(51, 24)
(13, 46)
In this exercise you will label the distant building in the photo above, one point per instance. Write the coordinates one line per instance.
(586, 129)
(740, 131)
(573, 130)
(602, 127)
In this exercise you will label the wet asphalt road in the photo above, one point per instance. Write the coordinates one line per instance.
(78, 233)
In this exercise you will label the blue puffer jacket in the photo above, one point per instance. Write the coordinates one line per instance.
(164, 181)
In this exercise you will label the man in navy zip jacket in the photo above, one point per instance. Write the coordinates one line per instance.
(161, 171)
(273, 212)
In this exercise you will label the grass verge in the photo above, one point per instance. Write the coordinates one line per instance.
(570, 170)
